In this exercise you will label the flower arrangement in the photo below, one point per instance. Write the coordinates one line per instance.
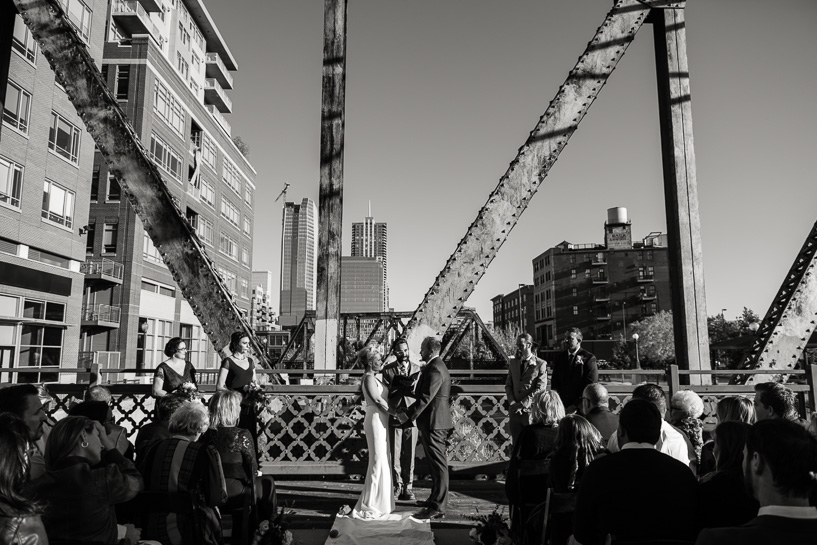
(189, 391)
(491, 529)
(254, 393)
(274, 532)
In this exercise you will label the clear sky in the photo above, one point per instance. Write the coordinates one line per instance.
(440, 95)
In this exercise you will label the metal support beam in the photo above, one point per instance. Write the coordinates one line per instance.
(790, 321)
(127, 159)
(681, 191)
(330, 203)
(505, 205)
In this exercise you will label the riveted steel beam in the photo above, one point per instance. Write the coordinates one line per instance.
(495, 220)
(781, 339)
(127, 159)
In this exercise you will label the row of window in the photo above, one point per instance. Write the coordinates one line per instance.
(110, 235)
(40, 343)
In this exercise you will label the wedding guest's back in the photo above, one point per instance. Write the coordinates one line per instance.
(159, 428)
(577, 444)
(101, 412)
(780, 469)
(20, 522)
(686, 408)
(596, 409)
(86, 477)
(728, 409)
(723, 497)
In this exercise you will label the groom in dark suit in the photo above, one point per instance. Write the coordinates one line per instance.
(432, 413)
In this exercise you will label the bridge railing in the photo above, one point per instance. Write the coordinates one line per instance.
(318, 429)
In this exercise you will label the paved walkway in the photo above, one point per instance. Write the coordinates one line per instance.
(316, 502)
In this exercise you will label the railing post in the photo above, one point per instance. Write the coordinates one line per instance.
(811, 377)
(674, 379)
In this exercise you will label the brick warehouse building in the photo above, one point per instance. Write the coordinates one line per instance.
(80, 280)
(168, 66)
(600, 288)
(515, 310)
(46, 161)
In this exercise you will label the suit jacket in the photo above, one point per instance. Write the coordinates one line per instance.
(390, 371)
(618, 495)
(520, 385)
(763, 530)
(572, 373)
(432, 411)
(604, 421)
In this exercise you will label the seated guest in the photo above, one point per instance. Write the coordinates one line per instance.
(86, 476)
(101, 412)
(529, 487)
(158, 429)
(20, 522)
(237, 452)
(773, 400)
(780, 469)
(24, 401)
(723, 500)
(577, 444)
(184, 471)
(116, 432)
(670, 441)
(686, 408)
(729, 409)
(637, 493)
(596, 409)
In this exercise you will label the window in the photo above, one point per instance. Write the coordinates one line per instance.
(572, 258)
(244, 290)
(17, 108)
(149, 251)
(161, 289)
(208, 151)
(547, 295)
(208, 194)
(229, 211)
(228, 277)
(247, 226)
(649, 255)
(80, 15)
(184, 35)
(90, 238)
(168, 108)
(196, 344)
(547, 260)
(58, 204)
(547, 276)
(248, 196)
(23, 42)
(151, 341)
(114, 189)
(48, 258)
(230, 176)
(63, 138)
(165, 156)
(575, 292)
(40, 346)
(95, 185)
(182, 66)
(198, 39)
(228, 246)
(587, 273)
(572, 273)
(109, 236)
(245, 256)
(11, 183)
(575, 310)
(122, 82)
(204, 229)
(549, 311)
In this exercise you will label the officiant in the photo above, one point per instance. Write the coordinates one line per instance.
(400, 378)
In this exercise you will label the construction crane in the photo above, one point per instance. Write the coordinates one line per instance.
(283, 194)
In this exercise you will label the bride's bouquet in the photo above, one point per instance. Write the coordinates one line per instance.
(491, 529)
(254, 393)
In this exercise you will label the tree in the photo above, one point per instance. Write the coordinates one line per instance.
(242, 146)
(621, 355)
(721, 329)
(656, 340)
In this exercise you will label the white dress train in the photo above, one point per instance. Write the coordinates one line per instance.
(376, 502)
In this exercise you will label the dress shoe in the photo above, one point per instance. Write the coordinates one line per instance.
(406, 495)
(429, 513)
(422, 503)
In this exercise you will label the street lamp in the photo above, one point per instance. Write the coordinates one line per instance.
(637, 362)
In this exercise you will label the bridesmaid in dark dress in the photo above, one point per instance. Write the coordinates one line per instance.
(174, 371)
(236, 373)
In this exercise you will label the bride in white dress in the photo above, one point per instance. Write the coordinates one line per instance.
(377, 500)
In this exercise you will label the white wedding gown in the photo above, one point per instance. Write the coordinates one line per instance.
(377, 500)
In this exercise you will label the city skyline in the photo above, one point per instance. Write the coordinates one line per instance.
(437, 106)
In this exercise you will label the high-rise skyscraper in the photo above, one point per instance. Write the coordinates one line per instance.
(370, 239)
(299, 255)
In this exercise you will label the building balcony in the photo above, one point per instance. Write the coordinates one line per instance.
(102, 270)
(647, 297)
(646, 277)
(214, 68)
(105, 316)
(152, 5)
(215, 95)
(219, 118)
(133, 19)
(599, 278)
(599, 260)
(602, 317)
(601, 299)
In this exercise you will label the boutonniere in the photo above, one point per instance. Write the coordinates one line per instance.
(579, 360)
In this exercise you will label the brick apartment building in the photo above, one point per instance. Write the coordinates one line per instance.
(515, 310)
(600, 288)
(168, 66)
(46, 161)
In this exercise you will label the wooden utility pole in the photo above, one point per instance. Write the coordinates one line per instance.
(681, 190)
(330, 203)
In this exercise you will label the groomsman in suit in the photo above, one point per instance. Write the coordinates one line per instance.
(400, 377)
(432, 413)
(527, 374)
(573, 370)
